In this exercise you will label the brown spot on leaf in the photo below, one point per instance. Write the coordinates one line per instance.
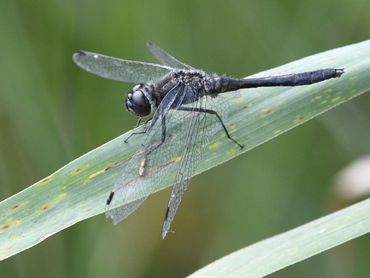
(4, 227)
(266, 111)
(45, 180)
(15, 206)
(8, 225)
(45, 207)
(114, 165)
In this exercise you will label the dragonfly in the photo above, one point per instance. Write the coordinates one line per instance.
(187, 108)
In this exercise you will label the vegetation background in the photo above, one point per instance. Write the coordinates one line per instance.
(52, 112)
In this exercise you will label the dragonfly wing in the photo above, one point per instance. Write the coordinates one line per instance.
(119, 69)
(120, 213)
(198, 129)
(187, 134)
(165, 58)
(131, 188)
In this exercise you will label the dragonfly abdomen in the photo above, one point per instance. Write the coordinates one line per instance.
(289, 80)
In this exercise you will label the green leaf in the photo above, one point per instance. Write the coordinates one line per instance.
(79, 190)
(275, 253)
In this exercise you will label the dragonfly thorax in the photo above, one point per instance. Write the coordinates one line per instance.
(137, 101)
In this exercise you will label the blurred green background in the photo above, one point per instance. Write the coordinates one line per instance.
(52, 112)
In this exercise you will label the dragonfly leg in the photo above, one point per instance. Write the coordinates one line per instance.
(163, 136)
(146, 129)
(209, 111)
(138, 122)
(144, 161)
(135, 133)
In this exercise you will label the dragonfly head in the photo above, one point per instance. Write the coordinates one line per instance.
(137, 102)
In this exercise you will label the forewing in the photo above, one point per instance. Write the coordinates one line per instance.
(165, 58)
(131, 187)
(119, 69)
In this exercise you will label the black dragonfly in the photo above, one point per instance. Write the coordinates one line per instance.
(189, 111)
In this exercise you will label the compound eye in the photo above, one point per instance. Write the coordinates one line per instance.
(138, 98)
(137, 103)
